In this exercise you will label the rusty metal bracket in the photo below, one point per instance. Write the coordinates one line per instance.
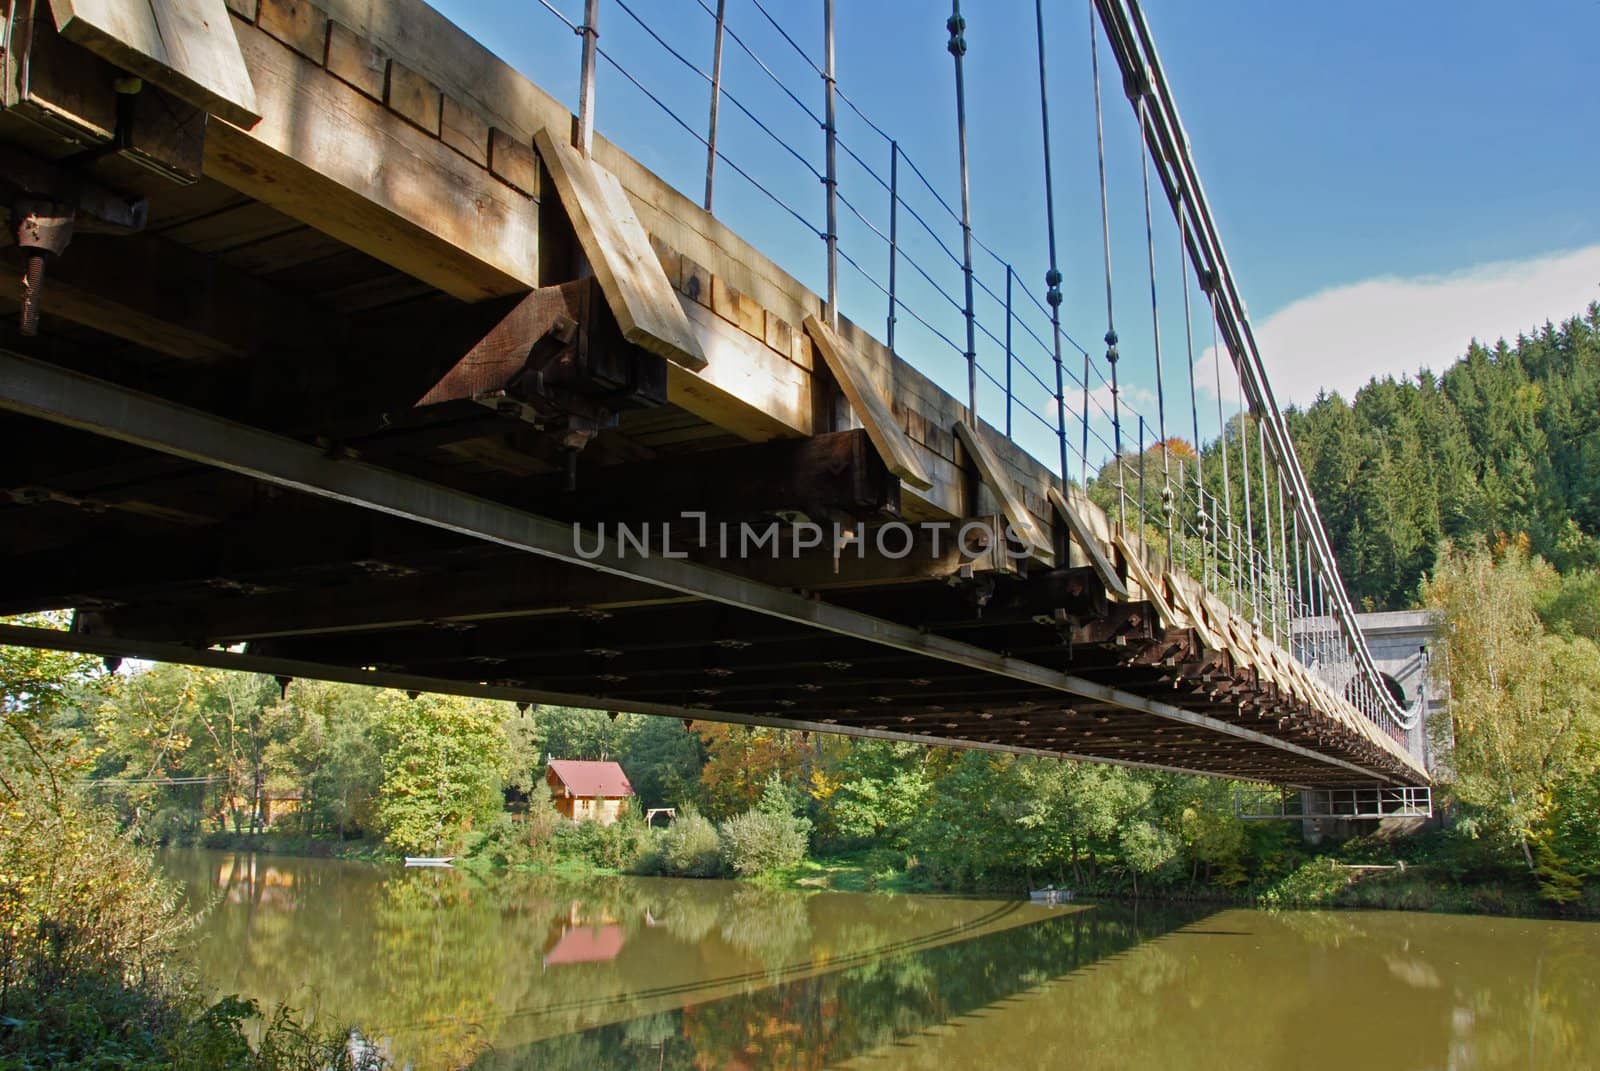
(48, 203)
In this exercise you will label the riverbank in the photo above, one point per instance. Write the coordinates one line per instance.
(1322, 882)
(1417, 874)
(298, 845)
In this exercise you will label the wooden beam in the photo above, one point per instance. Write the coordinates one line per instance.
(60, 98)
(186, 46)
(1085, 535)
(503, 588)
(559, 345)
(618, 249)
(897, 450)
(262, 548)
(746, 388)
(427, 210)
(826, 477)
(998, 480)
(479, 594)
(162, 296)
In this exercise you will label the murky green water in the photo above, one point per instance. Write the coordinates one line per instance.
(442, 969)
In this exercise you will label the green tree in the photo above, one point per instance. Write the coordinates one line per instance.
(1525, 703)
(879, 791)
(443, 760)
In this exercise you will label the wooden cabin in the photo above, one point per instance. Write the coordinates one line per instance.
(275, 804)
(588, 791)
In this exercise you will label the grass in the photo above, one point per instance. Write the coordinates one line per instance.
(865, 871)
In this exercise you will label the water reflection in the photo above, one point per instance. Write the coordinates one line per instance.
(445, 970)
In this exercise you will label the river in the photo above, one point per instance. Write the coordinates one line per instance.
(442, 969)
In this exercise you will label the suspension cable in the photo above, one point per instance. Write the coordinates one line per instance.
(1222, 432)
(1052, 277)
(1155, 333)
(1249, 508)
(1105, 236)
(1202, 519)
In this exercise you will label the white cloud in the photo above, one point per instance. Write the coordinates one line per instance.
(1338, 339)
(1134, 399)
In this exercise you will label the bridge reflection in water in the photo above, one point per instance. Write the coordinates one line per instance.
(443, 970)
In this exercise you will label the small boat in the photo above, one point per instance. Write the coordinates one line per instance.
(1050, 895)
(429, 860)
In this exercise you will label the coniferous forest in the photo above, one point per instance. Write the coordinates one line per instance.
(1503, 443)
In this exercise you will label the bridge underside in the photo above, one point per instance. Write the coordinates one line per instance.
(317, 420)
(249, 560)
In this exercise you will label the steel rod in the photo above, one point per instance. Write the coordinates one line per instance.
(894, 233)
(831, 179)
(1105, 242)
(1269, 574)
(958, 49)
(1009, 274)
(716, 98)
(590, 31)
(1155, 336)
(1052, 277)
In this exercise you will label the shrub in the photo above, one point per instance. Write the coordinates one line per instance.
(1318, 881)
(91, 973)
(689, 847)
(760, 840)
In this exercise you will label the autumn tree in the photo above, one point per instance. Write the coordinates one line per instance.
(1524, 703)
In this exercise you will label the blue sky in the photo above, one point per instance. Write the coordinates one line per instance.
(1390, 179)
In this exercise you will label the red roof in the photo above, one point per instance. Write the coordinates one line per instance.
(586, 945)
(592, 778)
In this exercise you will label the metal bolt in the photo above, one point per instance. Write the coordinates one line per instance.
(32, 287)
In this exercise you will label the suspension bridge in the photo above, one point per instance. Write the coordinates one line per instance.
(343, 350)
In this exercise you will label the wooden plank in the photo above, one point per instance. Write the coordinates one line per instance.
(996, 477)
(428, 211)
(465, 131)
(1188, 594)
(891, 442)
(696, 281)
(737, 307)
(168, 298)
(66, 93)
(356, 60)
(1149, 586)
(513, 162)
(185, 46)
(413, 97)
(618, 249)
(1222, 624)
(745, 388)
(300, 24)
(780, 334)
(1091, 545)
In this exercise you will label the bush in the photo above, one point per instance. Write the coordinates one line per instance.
(1316, 882)
(758, 841)
(617, 846)
(688, 848)
(91, 974)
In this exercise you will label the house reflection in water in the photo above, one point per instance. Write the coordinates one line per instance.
(576, 939)
(243, 881)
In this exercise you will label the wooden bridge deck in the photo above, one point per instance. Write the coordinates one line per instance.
(293, 410)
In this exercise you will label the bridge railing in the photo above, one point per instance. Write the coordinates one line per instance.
(1237, 515)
